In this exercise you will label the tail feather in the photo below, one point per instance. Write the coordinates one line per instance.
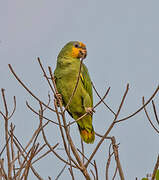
(87, 135)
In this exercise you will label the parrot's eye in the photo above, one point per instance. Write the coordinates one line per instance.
(76, 45)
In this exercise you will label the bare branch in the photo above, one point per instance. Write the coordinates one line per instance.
(45, 75)
(108, 163)
(155, 169)
(30, 141)
(39, 114)
(6, 133)
(110, 127)
(4, 146)
(96, 170)
(61, 172)
(82, 147)
(14, 107)
(116, 154)
(155, 112)
(92, 108)
(12, 147)
(43, 155)
(115, 173)
(73, 148)
(149, 118)
(141, 108)
(102, 99)
(27, 89)
(5, 103)
(52, 150)
(84, 156)
(71, 172)
(93, 174)
(4, 174)
(78, 78)
(28, 164)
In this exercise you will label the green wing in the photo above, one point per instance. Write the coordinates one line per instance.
(86, 80)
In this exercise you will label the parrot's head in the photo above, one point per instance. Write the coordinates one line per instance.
(74, 49)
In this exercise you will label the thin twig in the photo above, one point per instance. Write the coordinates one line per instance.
(82, 147)
(2, 169)
(49, 100)
(102, 99)
(35, 173)
(71, 172)
(116, 155)
(19, 146)
(43, 155)
(61, 131)
(27, 89)
(14, 108)
(93, 174)
(141, 108)
(39, 114)
(101, 136)
(108, 163)
(6, 134)
(155, 168)
(61, 172)
(64, 122)
(5, 103)
(149, 117)
(110, 127)
(92, 108)
(74, 90)
(96, 170)
(12, 147)
(30, 141)
(45, 75)
(28, 164)
(63, 137)
(155, 112)
(115, 173)
(69, 151)
(73, 148)
(49, 146)
(4, 146)
(22, 165)
(83, 155)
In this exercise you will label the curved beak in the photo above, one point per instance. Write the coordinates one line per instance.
(83, 53)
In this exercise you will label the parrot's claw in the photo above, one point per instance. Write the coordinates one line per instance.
(90, 110)
(58, 98)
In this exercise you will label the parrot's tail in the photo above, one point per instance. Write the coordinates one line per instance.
(87, 135)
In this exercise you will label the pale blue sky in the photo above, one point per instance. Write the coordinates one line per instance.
(122, 41)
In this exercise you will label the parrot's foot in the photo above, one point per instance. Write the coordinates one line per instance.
(90, 110)
(58, 98)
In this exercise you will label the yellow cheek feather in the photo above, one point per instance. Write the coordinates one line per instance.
(75, 52)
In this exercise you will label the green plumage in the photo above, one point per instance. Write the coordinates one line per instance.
(66, 74)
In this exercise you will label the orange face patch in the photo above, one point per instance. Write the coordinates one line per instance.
(76, 50)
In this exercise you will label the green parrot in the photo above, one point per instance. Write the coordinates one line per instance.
(66, 74)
